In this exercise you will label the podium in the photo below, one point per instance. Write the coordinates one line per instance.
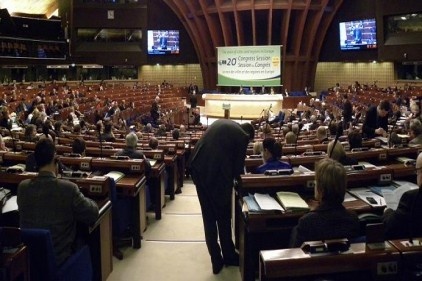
(226, 108)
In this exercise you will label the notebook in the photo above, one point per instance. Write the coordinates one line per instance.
(291, 201)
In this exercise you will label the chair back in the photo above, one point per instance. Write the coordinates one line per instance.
(43, 265)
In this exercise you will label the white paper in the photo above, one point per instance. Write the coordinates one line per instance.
(266, 202)
(392, 197)
(363, 193)
(366, 164)
(11, 205)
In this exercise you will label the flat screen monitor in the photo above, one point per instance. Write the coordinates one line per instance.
(163, 42)
(358, 35)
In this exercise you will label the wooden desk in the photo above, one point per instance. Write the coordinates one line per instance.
(411, 255)
(15, 265)
(157, 180)
(99, 235)
(172, 171)
(100, 243)
(133, 186)
(255, 232)
(287, 264)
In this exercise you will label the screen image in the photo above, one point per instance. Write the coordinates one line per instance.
(358, 35)
(163, 42)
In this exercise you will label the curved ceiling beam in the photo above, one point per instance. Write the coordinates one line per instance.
(213, 23)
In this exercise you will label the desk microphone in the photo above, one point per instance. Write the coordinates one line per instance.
(9, 128)
(101, 141)
(207, 121)
(241, 119)
(338, 134)
(390, 140)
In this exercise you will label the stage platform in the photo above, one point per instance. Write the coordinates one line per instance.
(248, 106)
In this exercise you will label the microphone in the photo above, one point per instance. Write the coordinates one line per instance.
(398, 115)
(241, 119)
(101, 140)
(338, 134)
(9, 128)
(207, 121)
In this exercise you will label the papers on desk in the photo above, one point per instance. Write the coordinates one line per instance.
(11, 205)
(152, 162)
(16, 169)
(368, 196)
(115, 175)
(303, 169)
(366, 164)
(383, 139)
(262, 203)
(291, 201)
(406, 160)
(349, 198)
(392, 196)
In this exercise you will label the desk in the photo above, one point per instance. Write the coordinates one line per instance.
(100, 243)
(15, 265)
(157, 182)
(172, 170)
(255, 232)
(134, 187)
(99, 235)
(286, 264)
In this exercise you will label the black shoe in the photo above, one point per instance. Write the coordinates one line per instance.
(178, 191)
(232, 261)
(217, 266)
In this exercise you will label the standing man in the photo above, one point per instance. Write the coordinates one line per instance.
(218, 159)
(376, 120)
(347, 112)
(54, 204)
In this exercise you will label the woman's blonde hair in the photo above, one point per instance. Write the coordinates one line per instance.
(331, 181)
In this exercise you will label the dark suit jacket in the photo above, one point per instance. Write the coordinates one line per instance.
(135, 154)
(218, 158)
(373, 122)
(347, 111)
(326, 222)
(399, 223)
(58, 206)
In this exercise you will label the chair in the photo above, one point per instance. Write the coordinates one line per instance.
(43, 265)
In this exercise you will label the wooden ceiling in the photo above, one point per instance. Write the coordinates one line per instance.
(299, 25)
(41, 7)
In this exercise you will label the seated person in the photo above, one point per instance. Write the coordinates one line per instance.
(355, 139)
(2, 144)
(329, 220)
(175, 134)
(30, 133)
(321, 134)
(337, 153)
(130, 149)
(108, 134)
(415, 131)
(257, 148)
(59, 205)
(271, 155)
(153, 143)
(79, 146)
(405, 221)
(290, 138)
